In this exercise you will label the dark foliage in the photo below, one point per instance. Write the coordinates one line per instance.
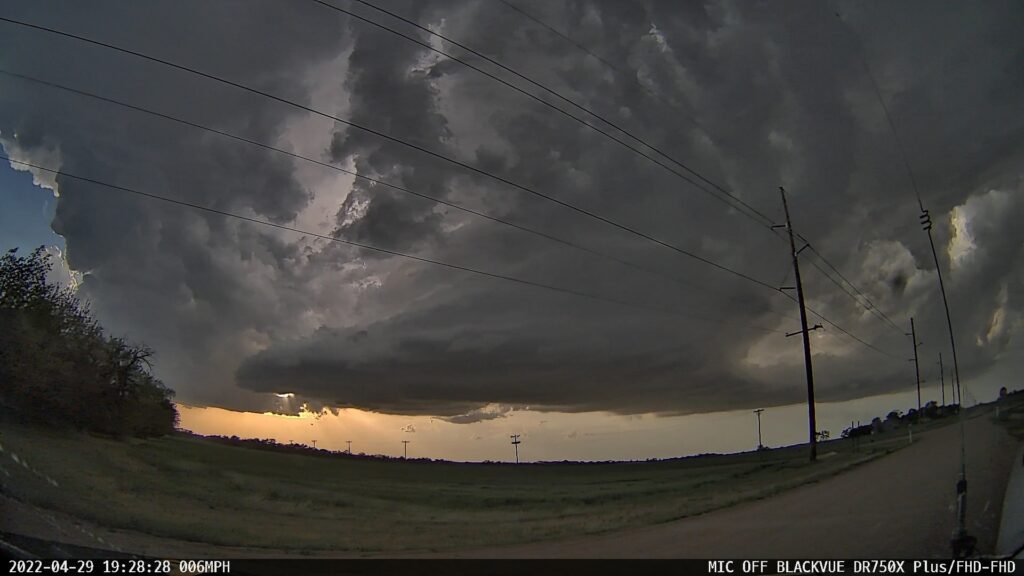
(58, 367)
(896, 419)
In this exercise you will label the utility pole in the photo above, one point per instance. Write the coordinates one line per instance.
(314, 444)
(942, 378)
(349, 446)
(405, 449)
(812, 427)
(758, 412)
(917, 368)
(515, 442)
(954, 393)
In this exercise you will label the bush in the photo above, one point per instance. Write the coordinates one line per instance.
(57, 366)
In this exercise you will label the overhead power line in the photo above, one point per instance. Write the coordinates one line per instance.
(403, 189)
(424, 150)
(736, 203)
(851, 335)
(753, 213)
(385, 136)
(827, 320)
(847, 291)
(396, 187)
(867, 304)
(624, 74)
(925, 216)
(521, 281)
(962, 543)
(570, 40)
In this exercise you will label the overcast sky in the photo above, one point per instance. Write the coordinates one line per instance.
(752, 95)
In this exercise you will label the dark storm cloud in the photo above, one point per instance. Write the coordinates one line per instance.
(185, 282)
(757, 97)
(391, 69)
(565, 355)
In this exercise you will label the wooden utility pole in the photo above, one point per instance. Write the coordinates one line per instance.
(942, 378)
(515, 442)
(758, 412)
(954, 393)
(405, 448)
(812, 427)
(349, 446)
(917, 368)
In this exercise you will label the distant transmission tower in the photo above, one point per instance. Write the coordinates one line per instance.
(515, 442)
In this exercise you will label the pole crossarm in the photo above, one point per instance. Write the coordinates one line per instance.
(812, 329)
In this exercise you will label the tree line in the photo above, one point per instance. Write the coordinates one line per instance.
(59, 367)
(897, 419)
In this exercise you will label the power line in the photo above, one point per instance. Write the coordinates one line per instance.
(606, 62)
(544, 235)
(853, 336)
(495, 275)
(427, 151)
(962, 543)
(827, 320)
(424, 150)
(750, 212)
(764, 219)
(892, 128)
(569, 39)
(867, 304)
(845, 331)
(847, 291)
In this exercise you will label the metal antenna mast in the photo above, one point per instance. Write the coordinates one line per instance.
(962, 543)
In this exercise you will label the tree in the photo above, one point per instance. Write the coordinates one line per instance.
(57, 365)
(893, 419)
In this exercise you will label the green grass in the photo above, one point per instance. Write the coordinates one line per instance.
(192, 489)
(1011, 415)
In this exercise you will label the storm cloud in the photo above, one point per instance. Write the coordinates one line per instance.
(751, 95)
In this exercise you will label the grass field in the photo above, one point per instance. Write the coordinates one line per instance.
(1011, 416)
(192, 489)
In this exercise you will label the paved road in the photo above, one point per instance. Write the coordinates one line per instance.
(899, 506)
